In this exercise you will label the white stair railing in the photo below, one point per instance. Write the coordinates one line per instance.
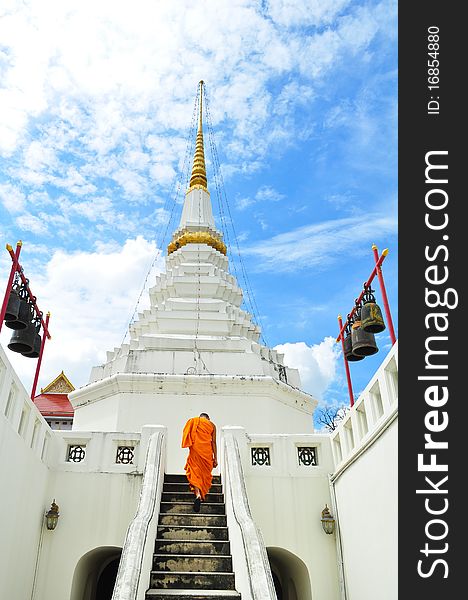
(257, 563)
(138, 547)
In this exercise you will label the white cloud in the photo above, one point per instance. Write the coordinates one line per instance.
(268, 193)
(90, 296)
(243, 203)
(94, 210)
(98, 76)
(316, 364)
(31, 223)
(298, 12)
(264, 194)
(321, 243)
(12, 198)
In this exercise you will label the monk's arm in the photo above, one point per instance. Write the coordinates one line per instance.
(213, 445)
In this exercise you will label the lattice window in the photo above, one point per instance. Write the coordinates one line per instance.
(125, 455)
(76, 453)
(261, 457)
(307, 456)
(282, 373)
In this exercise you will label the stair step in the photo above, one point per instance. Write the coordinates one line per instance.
(206, 508)
(193, 519)
(190, 497)
(192, 559)
(192, 533)
(193, 563)
(192, 547)
(191, 595)
(193, 581)
(182, 478)
(216, 488)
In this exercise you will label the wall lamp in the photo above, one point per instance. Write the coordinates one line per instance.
(52, 516)
(328, 522)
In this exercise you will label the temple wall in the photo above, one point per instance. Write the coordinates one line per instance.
(286, 498)
(97, 498)
(365, 484)
(127, 402)
(353, 470)
(25, 441)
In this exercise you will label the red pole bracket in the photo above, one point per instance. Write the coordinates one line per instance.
(377, 271)
(348, 375)
(17, 268)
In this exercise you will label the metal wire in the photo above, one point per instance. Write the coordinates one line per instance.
(222, 199)
(169, 206)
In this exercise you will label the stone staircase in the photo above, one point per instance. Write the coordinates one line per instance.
(192, 559)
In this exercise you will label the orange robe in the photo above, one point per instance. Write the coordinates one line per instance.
(197, 437)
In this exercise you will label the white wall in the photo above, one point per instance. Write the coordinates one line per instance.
(95, 511)
(126, 402)
(25, 441)
(286, 500)
(97, 498)
(365, 484)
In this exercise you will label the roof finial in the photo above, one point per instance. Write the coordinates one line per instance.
(198, 177)
(200, 124)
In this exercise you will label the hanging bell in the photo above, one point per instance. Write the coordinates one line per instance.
(23, 317)
(348, 350)
(363, 342)
(22, 340)
(371, 315)
(36, 349)
(13, 306)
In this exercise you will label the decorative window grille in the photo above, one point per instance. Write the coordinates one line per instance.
(125, 455)
(282, 373)
(76, 453)
(261, 457)
(307, 456)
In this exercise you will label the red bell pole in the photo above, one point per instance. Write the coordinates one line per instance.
(383, 291)
(10, 279)
(348, 375)
(39, 360)
(375, 272)
(19, 268)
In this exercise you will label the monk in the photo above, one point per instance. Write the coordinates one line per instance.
(199, 437)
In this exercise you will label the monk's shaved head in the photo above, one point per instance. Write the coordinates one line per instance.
(204, 415)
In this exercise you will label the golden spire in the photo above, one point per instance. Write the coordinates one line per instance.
(198, 177)
(203, 232)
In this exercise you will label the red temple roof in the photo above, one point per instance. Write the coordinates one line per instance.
(54, 405)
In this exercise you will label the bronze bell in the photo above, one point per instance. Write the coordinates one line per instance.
(23, 317)
(363, 342)
(13, 306)
(348, 350)
(371, 315)
(36, 349)
(22, 340)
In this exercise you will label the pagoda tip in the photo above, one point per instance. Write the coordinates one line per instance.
(385, 252)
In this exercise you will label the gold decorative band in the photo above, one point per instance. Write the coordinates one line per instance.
(197, 237)
(197, 187)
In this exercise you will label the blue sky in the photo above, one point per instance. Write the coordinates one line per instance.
(96, 103)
